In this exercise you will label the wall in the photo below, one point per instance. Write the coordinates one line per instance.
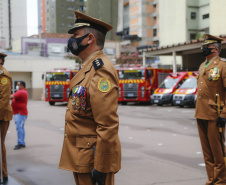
(172, 24)
(217, 17)
(30, 69)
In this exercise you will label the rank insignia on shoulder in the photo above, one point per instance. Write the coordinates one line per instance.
(98, 63)
(104, 85)
(1, 72)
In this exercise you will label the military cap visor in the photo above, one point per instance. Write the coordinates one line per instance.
(2, 55)
(210, 39)
(82, 20)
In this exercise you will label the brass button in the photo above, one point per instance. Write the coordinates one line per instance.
(215, 62)
(199, 96)
(88, 144)
(65, 135)
(200, 89)
(67, 108)
(201, 82)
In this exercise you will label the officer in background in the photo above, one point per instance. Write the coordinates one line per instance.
(91, 148)
(5, 110)
(211, 80)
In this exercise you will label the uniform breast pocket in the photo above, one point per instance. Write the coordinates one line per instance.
(75, 109)
(86, 150)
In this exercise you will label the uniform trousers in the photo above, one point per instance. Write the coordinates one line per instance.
(4, 127)
(212, 151)
(85, 179)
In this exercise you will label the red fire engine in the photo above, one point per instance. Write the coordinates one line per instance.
(57, 85)
(136, 84)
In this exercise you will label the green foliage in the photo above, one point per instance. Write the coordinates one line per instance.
(72, 57)
(199, 36)
(129, 58)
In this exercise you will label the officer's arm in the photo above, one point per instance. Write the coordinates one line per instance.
(223, 113)
(4, 95)
(104, 107)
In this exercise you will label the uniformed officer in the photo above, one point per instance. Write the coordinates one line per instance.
(5, 110)
(91, 148)
(211, 81)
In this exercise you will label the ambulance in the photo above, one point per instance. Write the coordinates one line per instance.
(164, 93)
(186, 94)
(57, 83)
(136, 84)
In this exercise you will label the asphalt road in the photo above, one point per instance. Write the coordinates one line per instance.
(160, 146)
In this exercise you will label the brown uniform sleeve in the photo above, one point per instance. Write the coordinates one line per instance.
(5, 91)
(223, 113)
(104, 107)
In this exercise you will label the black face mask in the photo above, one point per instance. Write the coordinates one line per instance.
(75, 46)
(207, 51)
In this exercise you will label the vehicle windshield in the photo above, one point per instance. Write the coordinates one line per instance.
(190, 83)
(168, 83)
(58, 76)
(132, 74)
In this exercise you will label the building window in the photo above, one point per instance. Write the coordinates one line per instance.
(154, 19)
(192, 36)
(81, 8)
(70, 16)
(70, 8)
(193, 15)
(205, 16)
(156, 43)
(154, 6)
(70, 25)
(154, 32)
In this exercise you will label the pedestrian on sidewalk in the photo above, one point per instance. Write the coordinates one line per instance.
(19, 105)
(6, 113)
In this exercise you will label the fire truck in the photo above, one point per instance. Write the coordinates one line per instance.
(186, 94)
(136, 84)
(164, 93)
(57, 85)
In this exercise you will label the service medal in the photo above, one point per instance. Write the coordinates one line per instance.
(73, 102)
(77, 103)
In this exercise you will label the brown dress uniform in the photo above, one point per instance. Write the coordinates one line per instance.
(91, 127)
(211, 81)
(5, 111)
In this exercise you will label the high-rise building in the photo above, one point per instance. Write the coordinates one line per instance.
(106, 11)
(138, 22)
(184, 20)
(58, 15)
(13, 21)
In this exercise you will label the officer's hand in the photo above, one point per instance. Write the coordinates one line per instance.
(98, 177)
(221, 122)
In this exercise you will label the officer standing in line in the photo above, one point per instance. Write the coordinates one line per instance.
(91, 148)
(5, 110)
(211, 80)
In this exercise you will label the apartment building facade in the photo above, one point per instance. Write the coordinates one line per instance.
(58, 15)
(138, 22)
(13, 21)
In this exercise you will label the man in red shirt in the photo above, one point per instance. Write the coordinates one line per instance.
(19, 105)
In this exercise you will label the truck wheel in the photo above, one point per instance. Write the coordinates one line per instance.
(181, 106)
(124, 103)
(159, 104)
(51, 102)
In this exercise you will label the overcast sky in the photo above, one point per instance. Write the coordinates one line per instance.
(32, 17)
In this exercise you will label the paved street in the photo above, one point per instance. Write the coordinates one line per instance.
(160, 146)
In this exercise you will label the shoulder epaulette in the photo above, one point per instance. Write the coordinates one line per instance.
(223, 59)
(1, 72)
(98, 63)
